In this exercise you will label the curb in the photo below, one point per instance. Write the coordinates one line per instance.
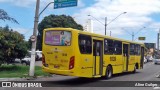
(23, 79)
(10, 79)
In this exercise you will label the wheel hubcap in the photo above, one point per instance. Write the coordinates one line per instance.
(109, 73)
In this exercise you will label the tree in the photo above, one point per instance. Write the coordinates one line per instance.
(29, 44)
(9, 41)
(52, 21)
(12, 45)
(4, 16)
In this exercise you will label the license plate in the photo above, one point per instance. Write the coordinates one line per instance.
(56, 66)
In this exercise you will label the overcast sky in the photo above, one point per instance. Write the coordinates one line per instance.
(140, 14)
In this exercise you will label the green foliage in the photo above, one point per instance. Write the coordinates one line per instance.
(4, 16)
(52, 21)
(12, 45)
(11, 71)
(29, 44)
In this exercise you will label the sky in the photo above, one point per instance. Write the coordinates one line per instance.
(142, 17)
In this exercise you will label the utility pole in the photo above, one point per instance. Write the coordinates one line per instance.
(32, 63)
(105, 25)
(158, 41)
(34, 36)
(132, 36)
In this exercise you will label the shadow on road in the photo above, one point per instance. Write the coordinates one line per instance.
(83, 81)
(75, 81)
(124, 74)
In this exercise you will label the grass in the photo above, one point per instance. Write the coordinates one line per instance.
(12, 71)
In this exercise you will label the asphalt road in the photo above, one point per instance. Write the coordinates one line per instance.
(57, 82)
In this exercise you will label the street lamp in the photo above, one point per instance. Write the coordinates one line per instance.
(106, 24)
(133, 33)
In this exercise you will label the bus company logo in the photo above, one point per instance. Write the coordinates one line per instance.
(6, 84)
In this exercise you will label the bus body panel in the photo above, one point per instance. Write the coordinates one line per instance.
(86, 65)
(138, 60)
(59, 59)
(131, 63)
(116, 62)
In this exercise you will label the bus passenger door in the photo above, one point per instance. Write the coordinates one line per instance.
(97, 57)
(125, 56)
(142, 57)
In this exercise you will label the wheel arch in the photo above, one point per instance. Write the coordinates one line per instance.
(109, 66)
(137, 66)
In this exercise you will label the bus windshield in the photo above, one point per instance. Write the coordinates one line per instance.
(58, 38)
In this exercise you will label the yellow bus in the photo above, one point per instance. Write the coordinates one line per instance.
(72, 52)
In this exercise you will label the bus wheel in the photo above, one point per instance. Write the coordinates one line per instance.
(109, 72)
(134, 71)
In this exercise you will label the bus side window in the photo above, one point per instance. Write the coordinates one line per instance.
(98, 49)
(137, 49)
(117, 47)
(132, 49)
(82, 45)
(125, 52)
(108, 46)
(89, 46)
(85, 44)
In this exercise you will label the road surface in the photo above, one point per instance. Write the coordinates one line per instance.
(57, 82)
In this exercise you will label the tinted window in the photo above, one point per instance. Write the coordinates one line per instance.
(108, 46)
(137, 49)
(117, 47)
(132, 49)
(85, 44)
(96, 48)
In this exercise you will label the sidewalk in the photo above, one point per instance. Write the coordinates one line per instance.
(23, 79)
(39, 78)
(12, 79)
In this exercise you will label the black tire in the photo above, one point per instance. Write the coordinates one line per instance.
(109, 72)
(24, 63)
(134, 71)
